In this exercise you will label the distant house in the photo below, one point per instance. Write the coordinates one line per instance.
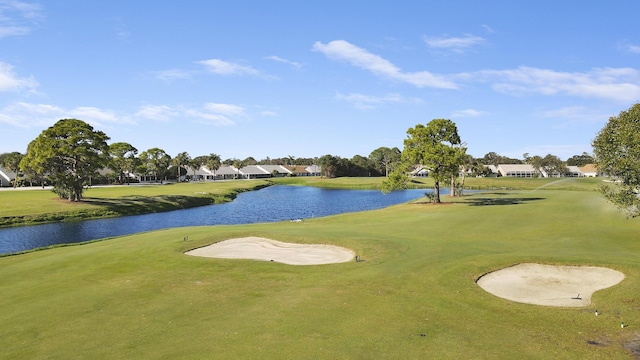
(275, 170)
(304, 170)
(420, 171)
(5, 177)
(517, 170)
(589, 170)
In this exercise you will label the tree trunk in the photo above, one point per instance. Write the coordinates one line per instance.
(452, 191)
(436, 192)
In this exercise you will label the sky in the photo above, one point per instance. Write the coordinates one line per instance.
(308, 78)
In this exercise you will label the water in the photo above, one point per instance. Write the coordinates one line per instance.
(274, 203)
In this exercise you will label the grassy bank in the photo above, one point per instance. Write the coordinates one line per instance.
(413, 297)
(38, 206)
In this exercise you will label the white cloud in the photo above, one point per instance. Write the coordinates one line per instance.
(344, 51)
(22, 114)
(575, 115)
(468, 113)
(633, 49)
(171, 74)
(620, 84)
(367, 102)
(209, 113)
(162, 113)
(296, 65)
(455, 44)
(221, 67)
(9, 81)
(17, 17)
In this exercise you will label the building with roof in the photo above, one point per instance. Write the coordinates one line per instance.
(5, 177)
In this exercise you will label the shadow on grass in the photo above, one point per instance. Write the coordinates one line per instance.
(501, 201)
(143, 204)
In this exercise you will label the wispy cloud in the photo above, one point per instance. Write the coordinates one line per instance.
(455, 44)
(468, 113)
(633, 48)
(368, 102)
(617, 84)
(573, 115)
(356, 56)
(209, 113)
(17, 18)
(162, 113)
(620, 84)
(221, 67)
(294, 64)
(10, 81)
(171, 74)
(22, 114)
(121, 30)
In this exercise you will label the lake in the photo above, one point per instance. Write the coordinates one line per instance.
(271, 204)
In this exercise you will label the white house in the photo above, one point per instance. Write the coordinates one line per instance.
(6, 176)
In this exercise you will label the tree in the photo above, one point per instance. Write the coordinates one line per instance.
(181, 160)
(71, 152)
(156, 162)
(238, 164)
(535, 161)
(329, 165)
(580, 160)
(384, 157)
(197, 162)
(617, 154)
(553, 165)
(12, 162)
(213, 164)
(437, 147)
(123, 159)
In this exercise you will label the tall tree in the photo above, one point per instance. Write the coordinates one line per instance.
(238, 164)
(435, 146)
(617, 154)
(156, 162)
(384, 157)
(12, 162)
(181, 161)
(123, 159)
(70, 152)
(213, 164)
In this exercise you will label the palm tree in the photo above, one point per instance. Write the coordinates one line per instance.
(181, 160)
(213, 163)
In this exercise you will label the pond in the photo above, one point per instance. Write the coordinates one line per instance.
(271, 204)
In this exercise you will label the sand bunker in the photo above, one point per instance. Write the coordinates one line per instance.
(570, 286)
(270, 250)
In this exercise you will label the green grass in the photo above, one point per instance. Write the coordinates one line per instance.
(139, 296)
(37, 206)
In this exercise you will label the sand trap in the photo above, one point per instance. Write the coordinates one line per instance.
(270, 250)
(570, 286)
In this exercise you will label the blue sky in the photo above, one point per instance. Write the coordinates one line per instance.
(309, 78)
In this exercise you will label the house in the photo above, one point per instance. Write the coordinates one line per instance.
(518, 170)
(5, 177)
(420, 171)
(275, 170)
(304, 170)
(589, 170)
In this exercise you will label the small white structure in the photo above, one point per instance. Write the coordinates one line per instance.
(5, 177)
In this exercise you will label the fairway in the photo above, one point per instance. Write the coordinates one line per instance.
(413, 295)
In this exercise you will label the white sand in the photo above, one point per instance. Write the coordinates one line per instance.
(270, 250)
(549, 285)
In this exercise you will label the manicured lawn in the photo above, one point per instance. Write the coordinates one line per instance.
(413, 297)
(29, 206)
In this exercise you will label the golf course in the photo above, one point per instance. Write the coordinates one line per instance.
(412, 294)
